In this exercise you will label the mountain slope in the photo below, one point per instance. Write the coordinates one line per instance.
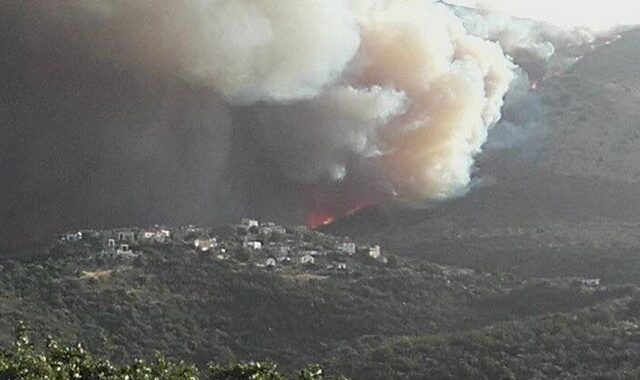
(199, 307)
(570, 208)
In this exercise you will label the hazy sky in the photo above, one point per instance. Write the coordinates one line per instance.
(597, 15)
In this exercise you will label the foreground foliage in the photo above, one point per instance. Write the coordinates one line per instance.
(56, 362)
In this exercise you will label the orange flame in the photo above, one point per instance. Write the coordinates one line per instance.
(318, 219)
(326, 204)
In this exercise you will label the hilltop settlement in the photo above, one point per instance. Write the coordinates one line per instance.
(263, 245)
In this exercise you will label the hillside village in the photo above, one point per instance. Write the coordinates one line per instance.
(263, 245)
(267, 245)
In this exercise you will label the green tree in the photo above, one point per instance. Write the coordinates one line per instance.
(56, 362)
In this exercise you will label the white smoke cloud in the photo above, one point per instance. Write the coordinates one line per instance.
(546, 37)
(595, 15)
(248, 50)
(455, 83)
(398, 84)
(274, 50)
(540, 49)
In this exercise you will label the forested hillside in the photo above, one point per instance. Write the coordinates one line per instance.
(193, 306)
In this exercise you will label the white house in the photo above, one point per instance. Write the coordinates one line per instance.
(271, 228)
(201, 245)
(270, 262)
(307, 259)
(590, 282)
(72, 237)
(128, 236)
(348, 247)
(124, 250)
(342, 266)
(284, 259)
(248, 223)
(159, 235)
(255, 245)
(205, 244)
(374, 252)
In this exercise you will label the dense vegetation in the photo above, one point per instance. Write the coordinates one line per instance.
(193, 306)
(370, 323)
(597, 343)
(585, 247)
(55, 362)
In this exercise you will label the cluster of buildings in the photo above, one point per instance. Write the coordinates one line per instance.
(265, 245)
(299, 246)
(119, 243)
(269, 245)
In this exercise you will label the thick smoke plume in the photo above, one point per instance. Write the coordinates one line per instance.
(398, 82)
(545, 37)
(125, 111)
(595, 16)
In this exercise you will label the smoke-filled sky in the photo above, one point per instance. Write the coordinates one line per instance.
(596, 15)
(135, 112)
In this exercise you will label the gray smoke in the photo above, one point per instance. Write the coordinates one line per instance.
(133, 112)
(542, 50)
